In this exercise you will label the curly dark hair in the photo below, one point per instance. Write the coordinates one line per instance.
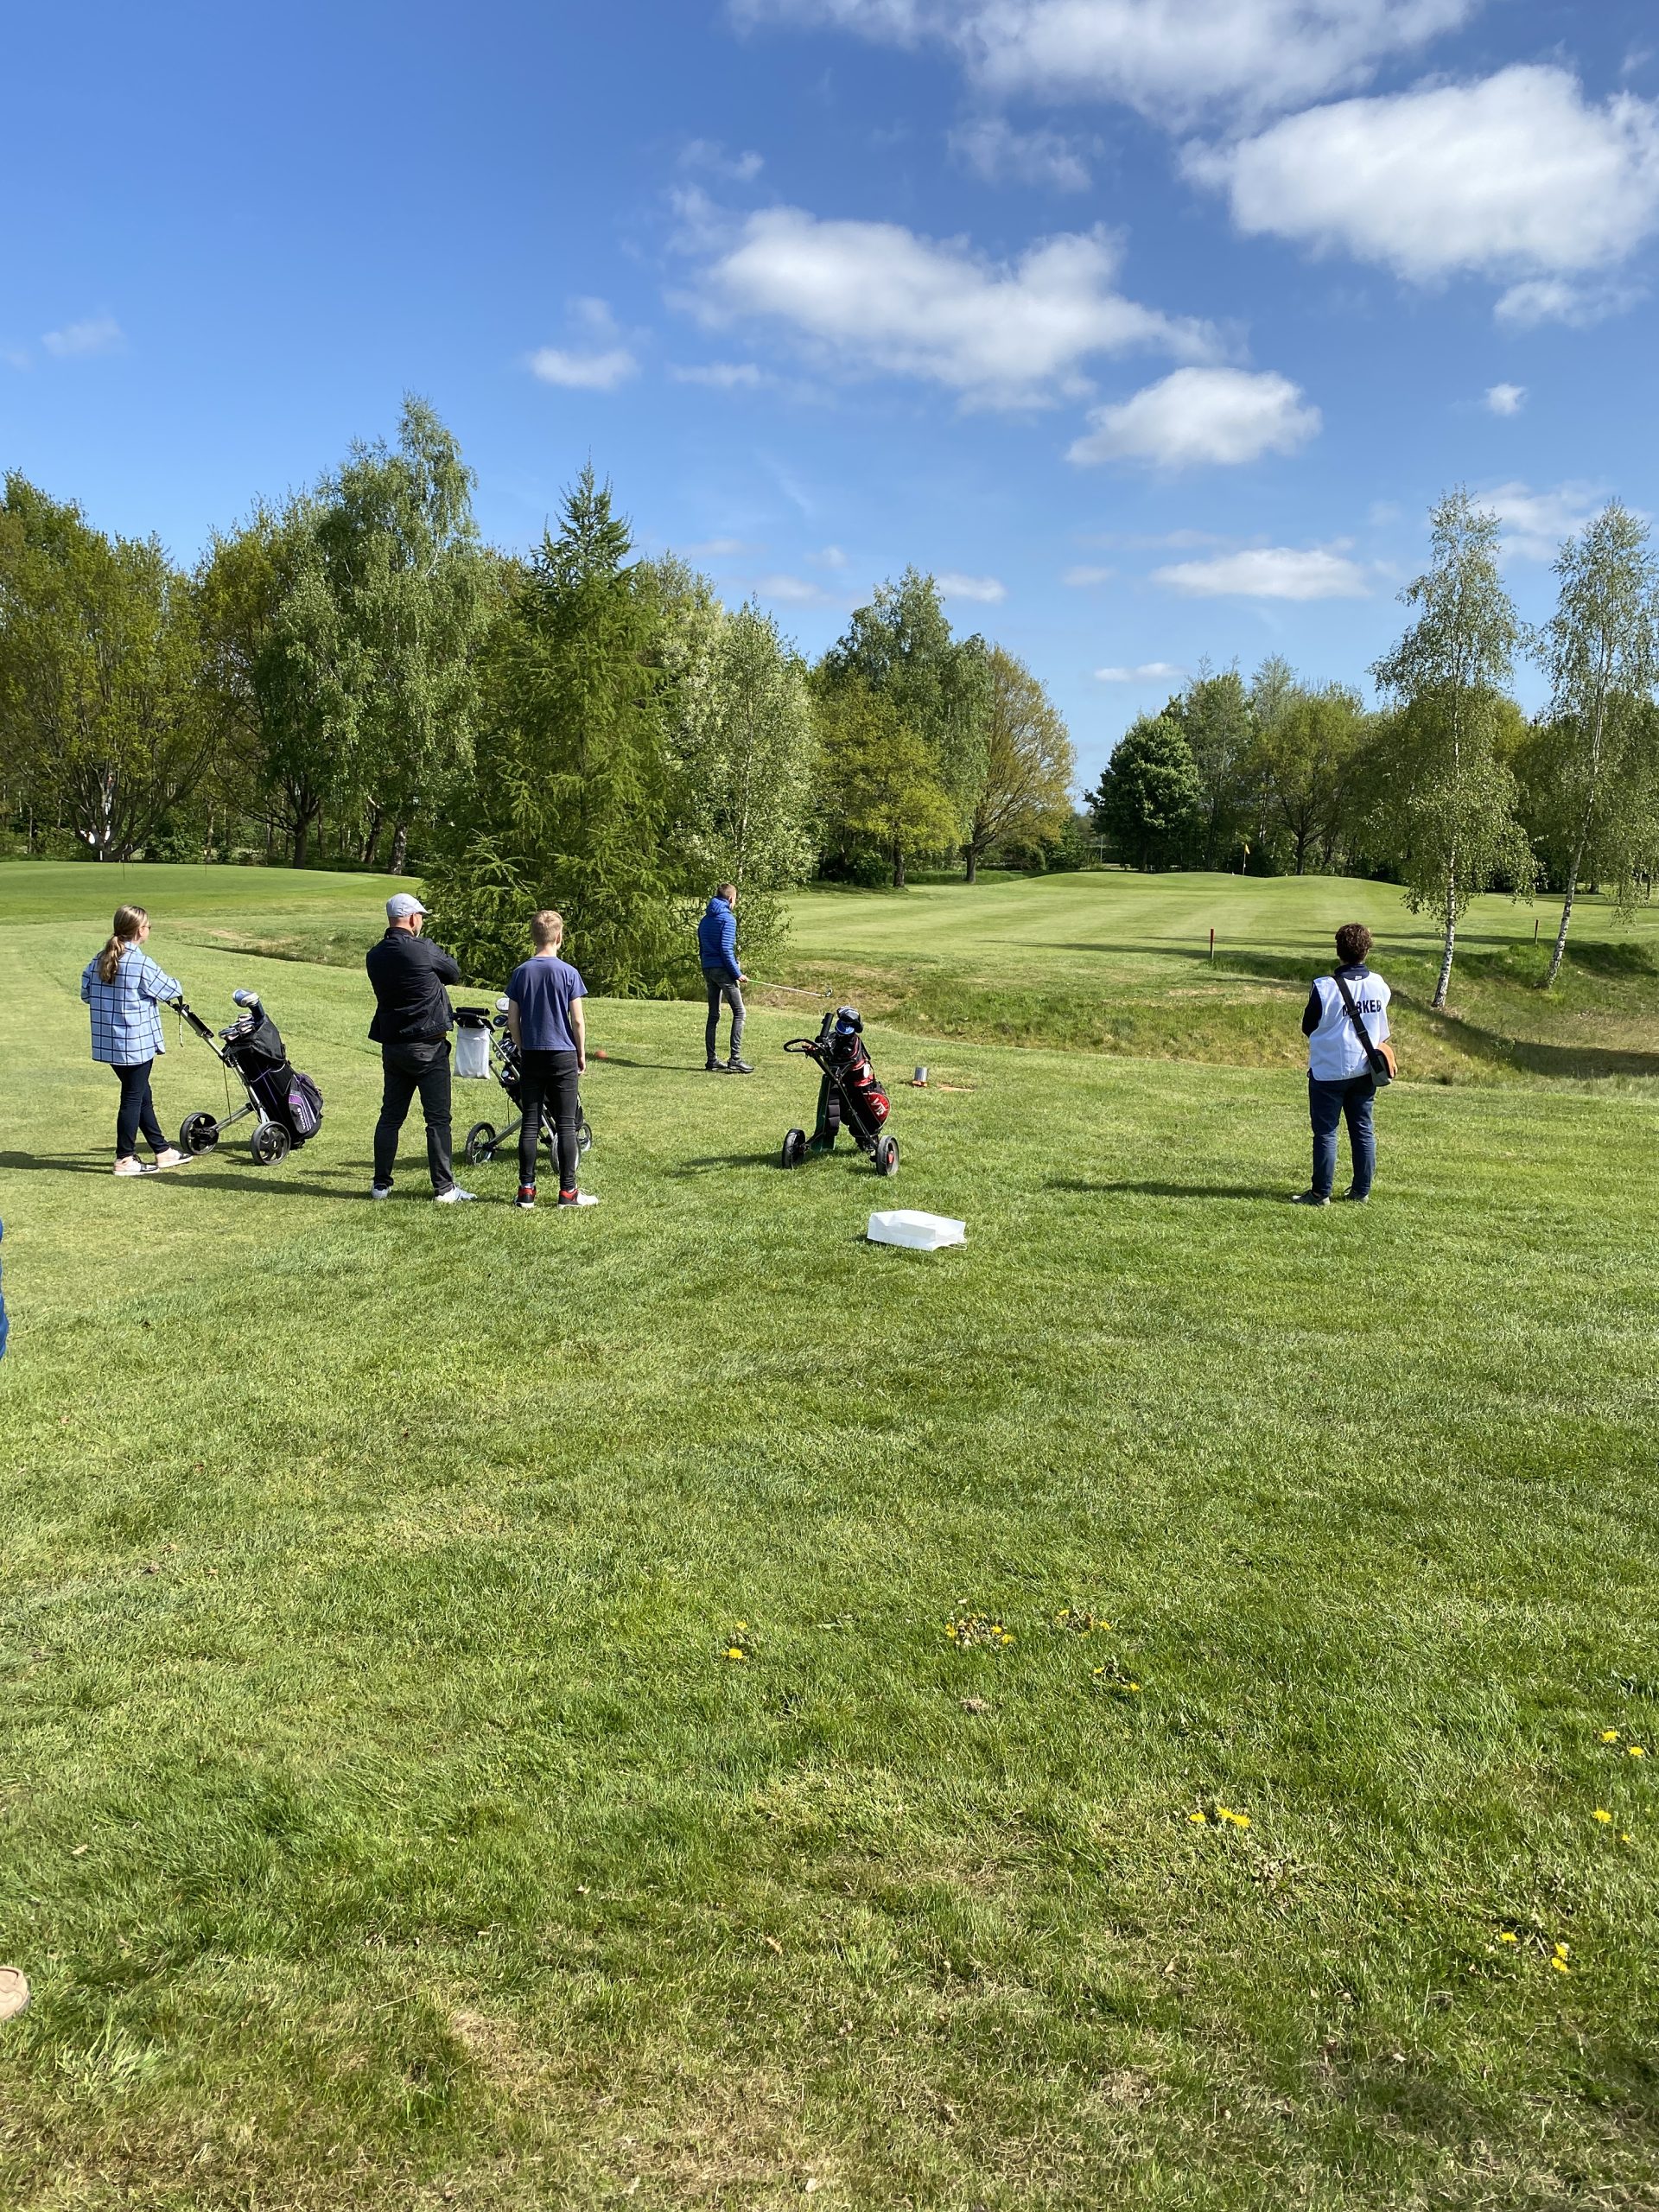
(1353, 943)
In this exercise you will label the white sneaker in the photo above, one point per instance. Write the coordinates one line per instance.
(581, 1198)
(453, 1196)
(379, 1190)
(133, 1165)
(172, 1157)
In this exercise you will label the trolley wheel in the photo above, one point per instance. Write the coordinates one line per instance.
(584, 1135)
(886, 1156)
(832, 1115)
(794, 1151)
(480, 1144)
(270, 1144)
(198, 1133)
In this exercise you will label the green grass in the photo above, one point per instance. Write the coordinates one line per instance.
(1121, 963)
(382, 1823)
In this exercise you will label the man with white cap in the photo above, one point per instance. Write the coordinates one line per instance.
(411, 1024)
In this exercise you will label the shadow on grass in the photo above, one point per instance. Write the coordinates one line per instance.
(250, 1179)
(1165, 1190)
(715, 1162)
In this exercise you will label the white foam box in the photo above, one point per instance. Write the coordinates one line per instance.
(917, 1232)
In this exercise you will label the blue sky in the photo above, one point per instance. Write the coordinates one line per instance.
(1154, 326)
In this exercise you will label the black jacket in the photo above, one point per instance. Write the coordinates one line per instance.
(409, 974)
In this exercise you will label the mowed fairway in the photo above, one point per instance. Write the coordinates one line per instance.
(383, 1821)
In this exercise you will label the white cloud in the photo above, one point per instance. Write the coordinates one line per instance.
(992, 148)
(1553, 299)
(601, 372)
(1535, 523)
(709, 155)
(76, 341)
(1194, 416)
(1148, 671)
(988, 591)
(794, 591)
(1517, 177)
(1081, 579)
(1270, 572)
(831, 556)
(1505, 398)
(717, 549)
(1168, 58)
(722, 376)
(603, 364)
(876, 297)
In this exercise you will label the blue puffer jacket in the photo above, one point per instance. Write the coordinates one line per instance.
(717, 942)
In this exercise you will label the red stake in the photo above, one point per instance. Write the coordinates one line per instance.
(1212, 948)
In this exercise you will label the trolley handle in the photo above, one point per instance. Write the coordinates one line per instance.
(188, 1014)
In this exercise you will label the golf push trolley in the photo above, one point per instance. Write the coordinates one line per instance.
(849, 1097)
(484, 1140)
(287, 1105)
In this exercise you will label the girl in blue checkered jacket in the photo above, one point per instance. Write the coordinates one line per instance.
(126, 991)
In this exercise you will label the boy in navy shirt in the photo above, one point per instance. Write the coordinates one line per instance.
(544, 1020)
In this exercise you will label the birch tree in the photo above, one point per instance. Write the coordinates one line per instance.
(1451, 795)
(1600, 651)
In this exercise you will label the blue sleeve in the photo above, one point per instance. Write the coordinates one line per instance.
(729, 939)
(155, 983)
(87, 983)
(578, 988)
(1312, 1013)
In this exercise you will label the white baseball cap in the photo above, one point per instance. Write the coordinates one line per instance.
(402, 904)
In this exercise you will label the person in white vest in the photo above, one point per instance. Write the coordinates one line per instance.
(1346, 1024)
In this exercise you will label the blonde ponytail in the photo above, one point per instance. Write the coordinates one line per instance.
(127, 922)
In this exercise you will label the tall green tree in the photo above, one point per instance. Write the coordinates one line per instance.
(902, 646)
(1300, 762)
(1600, 651)
(571, 808)
(100, 711)
(1151, 798)
(878, 778)
(401, 560)
(1452, 795)
(1026, 797)
(1213, 714)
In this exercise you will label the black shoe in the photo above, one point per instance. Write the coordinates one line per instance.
(1356, 1197)
(1309, 1199)
(714, 1067)
(525, 1200)
(734, 1066)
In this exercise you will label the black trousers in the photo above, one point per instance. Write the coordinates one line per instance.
(136, 1111)
(551, 1077)
(409, 1069)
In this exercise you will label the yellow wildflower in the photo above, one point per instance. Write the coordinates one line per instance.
(1602, 1814)
(1636, 1751)
(1624, 1837)
(732, 1652)
(1507, 1935)
(1561, 1966)
(1561, 1951)
(1199, 1818)
(1609, 1735)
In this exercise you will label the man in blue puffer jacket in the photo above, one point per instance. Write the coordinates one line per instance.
(717, 951)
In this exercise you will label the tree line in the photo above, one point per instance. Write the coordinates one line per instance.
(1447, 787)
(352, 677)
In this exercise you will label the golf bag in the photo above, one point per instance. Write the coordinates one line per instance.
(287, 1105)
(850, 1096)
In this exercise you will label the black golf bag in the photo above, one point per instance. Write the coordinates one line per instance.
(286, 1104)
(850, 1096)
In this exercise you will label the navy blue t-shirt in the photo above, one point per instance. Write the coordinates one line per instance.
(542, 989)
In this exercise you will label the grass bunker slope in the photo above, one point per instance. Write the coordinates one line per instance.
(384, 1823)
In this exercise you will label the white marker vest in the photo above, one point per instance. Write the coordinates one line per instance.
(1335, 1054)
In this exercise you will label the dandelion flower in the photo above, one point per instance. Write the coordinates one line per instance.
(1507, 1935)
(1561, 1966)
(1626, 1837)
(1602, 1814)
(1561, 1951)
(732, 1652)
(1636, 1751)
(1199, 1818)
(1609, 1735)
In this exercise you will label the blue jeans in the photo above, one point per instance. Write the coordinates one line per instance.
(1328, 1105)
